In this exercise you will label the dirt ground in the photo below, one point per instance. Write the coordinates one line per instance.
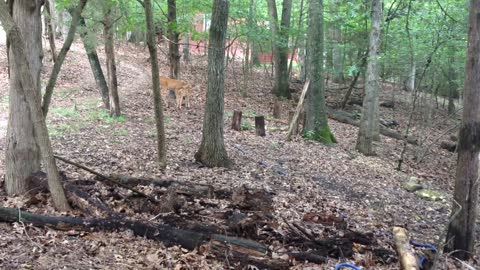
(305, 176)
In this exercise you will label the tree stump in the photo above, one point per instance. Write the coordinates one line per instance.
(260, 125)
(277, 109)
(237, 120)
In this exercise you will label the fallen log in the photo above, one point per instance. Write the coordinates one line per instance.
(408, 261)
(346, 118)
(106, 178)
(182, 188)
(164, 233)
(243, 251)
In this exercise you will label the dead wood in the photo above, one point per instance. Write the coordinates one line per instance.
(86, 202)
(449, 146)
(346, 118)
(408, 261)
(254, 200)
(106, 178)
(182, 188)
(293, 123)
(236, 249)
(164, 233)
(245, 251)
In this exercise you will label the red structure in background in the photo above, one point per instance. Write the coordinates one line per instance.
(237, 49)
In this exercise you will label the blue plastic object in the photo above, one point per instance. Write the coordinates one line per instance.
(421, 245)
(340, 265)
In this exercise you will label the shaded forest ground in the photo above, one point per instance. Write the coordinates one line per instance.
(366, 191)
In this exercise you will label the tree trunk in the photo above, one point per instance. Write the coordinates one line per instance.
(22, 153)
(369, 122)
(109, 32)
(157, 99)
(337, 47)
(280, 46)
(212, 151)
(452, 85)
(51, 34)
(61, 56)
(173, 48)
(461, 231)
(95, 65)
(29, 82)
(316, 124)
(186, 48)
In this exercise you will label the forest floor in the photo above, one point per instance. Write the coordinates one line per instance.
(307, 178)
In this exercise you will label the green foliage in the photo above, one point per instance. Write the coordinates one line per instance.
(103, 116)
(247, 125)
(324, 135)
(67, 112)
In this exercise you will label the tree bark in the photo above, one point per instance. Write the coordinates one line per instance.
(95, 65)
(173, 48)
(51, 34)
(237, 120)
(461, 230)
(212, 151)
(109, 32)
(316, 124)
(408, 261)
(157, 99)
(260, 125)
(369, 122)
(22, 156)
(32, 95)
(61, 56)
(280, 46)
(186, 48)
(337, 46)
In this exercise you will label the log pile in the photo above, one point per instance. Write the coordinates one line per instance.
(195, 217)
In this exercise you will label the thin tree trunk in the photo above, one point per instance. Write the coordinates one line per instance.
(95, 65)
(32, 95)
(337, 53)
(186, 48)
(461, 230)
(22, 156)
(297, 38)
(212, 151)
(51, 33)
(157, 99)
(369, 122)
(109, 32)
(173, 48)
(61, 56)
(280, 46)
(316, 121)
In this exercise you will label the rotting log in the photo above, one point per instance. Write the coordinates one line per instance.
(164, 233)
(87, 203)
(408, 261)
(182, 188)
(241, 250)
(346, 118)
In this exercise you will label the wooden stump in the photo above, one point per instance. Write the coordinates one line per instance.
(260, 125)
(277, 109)
(237, 120)
(295, 125)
